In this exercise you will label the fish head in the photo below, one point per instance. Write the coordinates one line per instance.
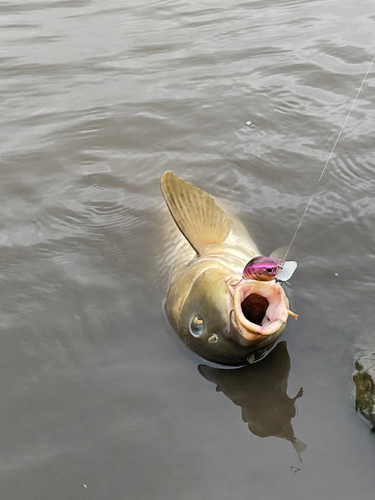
(222, 318)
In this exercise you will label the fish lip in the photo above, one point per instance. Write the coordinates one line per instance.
(276, 312)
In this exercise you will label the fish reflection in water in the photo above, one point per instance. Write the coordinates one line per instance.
(260, 390)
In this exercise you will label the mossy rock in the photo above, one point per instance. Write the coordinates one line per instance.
(364, 379)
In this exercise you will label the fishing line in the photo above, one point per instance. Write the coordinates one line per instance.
(329, 157)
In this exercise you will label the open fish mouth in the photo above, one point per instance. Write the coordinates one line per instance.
(260, 308)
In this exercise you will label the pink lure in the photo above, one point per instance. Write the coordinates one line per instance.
(262, 269)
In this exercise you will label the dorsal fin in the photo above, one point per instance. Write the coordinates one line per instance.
(198, 217)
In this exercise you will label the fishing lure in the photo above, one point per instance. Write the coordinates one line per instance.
(263, 268)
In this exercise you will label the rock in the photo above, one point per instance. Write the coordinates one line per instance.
(364, 379)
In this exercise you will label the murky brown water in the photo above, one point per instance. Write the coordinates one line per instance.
(99, 398)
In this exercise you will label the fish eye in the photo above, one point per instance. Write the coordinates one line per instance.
(269, 269)
(197, 327)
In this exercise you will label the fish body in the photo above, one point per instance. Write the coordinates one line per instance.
(218, 314)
